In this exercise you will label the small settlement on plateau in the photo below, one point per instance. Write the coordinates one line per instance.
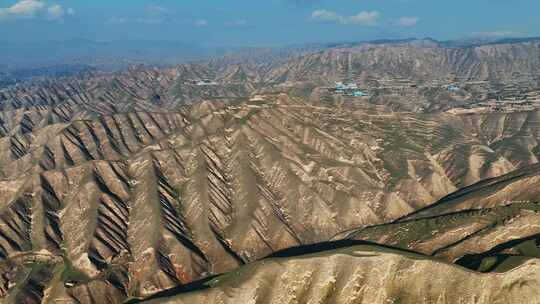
(347, 89)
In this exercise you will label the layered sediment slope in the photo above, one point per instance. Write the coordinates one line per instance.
(121, 186)
(499, 61)
(489, 226)
(131, 204)
(364, 274)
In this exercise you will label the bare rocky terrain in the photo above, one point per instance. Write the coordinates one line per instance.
(143, 185)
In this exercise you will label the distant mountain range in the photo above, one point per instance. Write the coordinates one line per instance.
(115, 54)
(430, 42)
(103, 54)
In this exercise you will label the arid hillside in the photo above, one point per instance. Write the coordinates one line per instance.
(362, 274)
(144, 184)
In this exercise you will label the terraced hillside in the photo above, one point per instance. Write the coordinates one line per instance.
(481, 62)
(489, 226)
(297, 71)
(128, 186)
(107, 207)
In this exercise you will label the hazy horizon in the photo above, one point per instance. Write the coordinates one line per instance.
(109, 33)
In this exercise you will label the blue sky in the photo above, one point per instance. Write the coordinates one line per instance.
(262, 23)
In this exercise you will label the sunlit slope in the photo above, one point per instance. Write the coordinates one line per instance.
(130, 204)
(363, 274)
(480, 226)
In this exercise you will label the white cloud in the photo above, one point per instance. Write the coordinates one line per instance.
(23, 8)
(324, 15)
(56, 11)
(201, 23)
(366, 18)
(33, 8)
(407, 21)
(363, 18)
